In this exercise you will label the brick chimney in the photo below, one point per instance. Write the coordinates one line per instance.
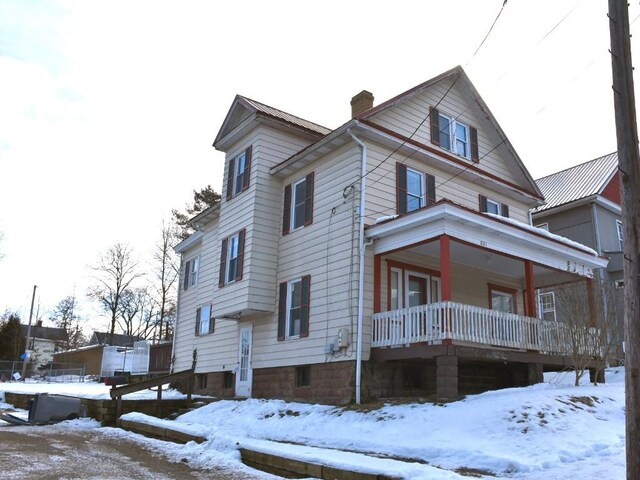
(361, 103)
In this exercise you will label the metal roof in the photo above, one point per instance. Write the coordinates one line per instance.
(287, 117)
(578, 182)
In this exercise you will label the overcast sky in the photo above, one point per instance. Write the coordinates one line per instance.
(108, 109)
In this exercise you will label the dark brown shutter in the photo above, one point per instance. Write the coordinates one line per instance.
(240, 259)
(308, 200)
(212, 322)
(475, 154)
(401, 187)
(186, 275)
(282, 310)
(504, 210)
(230, 174)
(304, 308)
(223, 263)
(431, 189)
(197, 322)
(247, 168)
(482, 203)
(286, 214)
(434, 118)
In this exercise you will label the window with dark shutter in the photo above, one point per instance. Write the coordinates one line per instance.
(197, 322)
(286, 215)
(247, 168)
(401, 188)
(431, 189)
(482, 200)
(282, 310)
(504, 210)
(240, 258)
(308, 203)
(304, 307)
(475, 153)
(434, 119)
(187, 268)
(223, 263)
(230, 177)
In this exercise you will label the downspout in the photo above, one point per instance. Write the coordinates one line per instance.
(362, 247)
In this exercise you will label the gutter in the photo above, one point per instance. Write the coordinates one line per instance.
(362, 247)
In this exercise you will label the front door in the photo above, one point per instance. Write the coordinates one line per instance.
(244, 373)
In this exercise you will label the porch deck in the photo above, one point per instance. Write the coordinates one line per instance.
(446, 322)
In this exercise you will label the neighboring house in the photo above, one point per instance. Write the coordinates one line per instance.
(583, 204)
(273, 301)
(44, 342)
(119, 340)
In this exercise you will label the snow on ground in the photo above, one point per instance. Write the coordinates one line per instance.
(546, 431)
(87, 389)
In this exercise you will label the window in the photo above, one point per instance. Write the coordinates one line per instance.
(227, 380)
(543, 226)
(414, 189)
(411, 285)
(238, 173)
(620, 234)
(452, 135)
(204, 323)
(202, 381)
(303, 376)
(489, 205)
(298, 204)
(293, 313)
(191, 272)
(546, 305)
(231, 259)
(502, 299)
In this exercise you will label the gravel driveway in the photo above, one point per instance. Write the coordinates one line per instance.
(46, 452)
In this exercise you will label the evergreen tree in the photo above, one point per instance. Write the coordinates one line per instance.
(203, 199)
(12, 341)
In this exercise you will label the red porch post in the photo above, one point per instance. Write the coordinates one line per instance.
(377, 286)
(445, 267)
(530, 290)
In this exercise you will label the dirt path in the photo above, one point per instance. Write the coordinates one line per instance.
(46, 453)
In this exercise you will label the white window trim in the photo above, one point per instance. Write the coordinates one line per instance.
(542, 311)
(292, 211)
(497, 204)
(290, 285)
(620, 231)
(235, 237)
(400, 288)
(201, 330)
(193, 272)
(240, 160)
(427, 277)
(500, 293)
(453, 135)
(423, 187)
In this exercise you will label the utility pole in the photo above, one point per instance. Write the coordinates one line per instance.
(629, 171)
(26, 345)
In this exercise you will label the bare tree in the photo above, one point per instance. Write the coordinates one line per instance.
(138, 313)
(610, 310)
(115, 273)
(166, 270)
(580, 331)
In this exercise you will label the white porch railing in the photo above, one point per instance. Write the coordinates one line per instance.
(436, 322)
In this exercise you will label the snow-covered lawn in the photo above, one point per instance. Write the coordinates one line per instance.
(547, 431)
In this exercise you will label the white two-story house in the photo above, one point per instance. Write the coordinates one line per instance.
(391, 256)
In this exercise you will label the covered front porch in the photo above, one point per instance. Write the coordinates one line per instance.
(449, 281)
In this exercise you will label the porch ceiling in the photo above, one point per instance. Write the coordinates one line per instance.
(483, 236)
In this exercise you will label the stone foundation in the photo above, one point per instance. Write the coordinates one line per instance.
(332, 383)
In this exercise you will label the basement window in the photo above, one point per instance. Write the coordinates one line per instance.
(227, 380)
(303, 376)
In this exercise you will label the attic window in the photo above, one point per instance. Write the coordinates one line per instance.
(238, 173)
(452, 135)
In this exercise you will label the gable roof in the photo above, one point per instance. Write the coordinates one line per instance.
(244, 108)
(120, 340)
(529, 187)
(578, 182)
(46, 333)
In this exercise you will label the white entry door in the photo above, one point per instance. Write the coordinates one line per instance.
(244, 373)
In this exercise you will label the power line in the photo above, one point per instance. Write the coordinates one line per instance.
(489, 32)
